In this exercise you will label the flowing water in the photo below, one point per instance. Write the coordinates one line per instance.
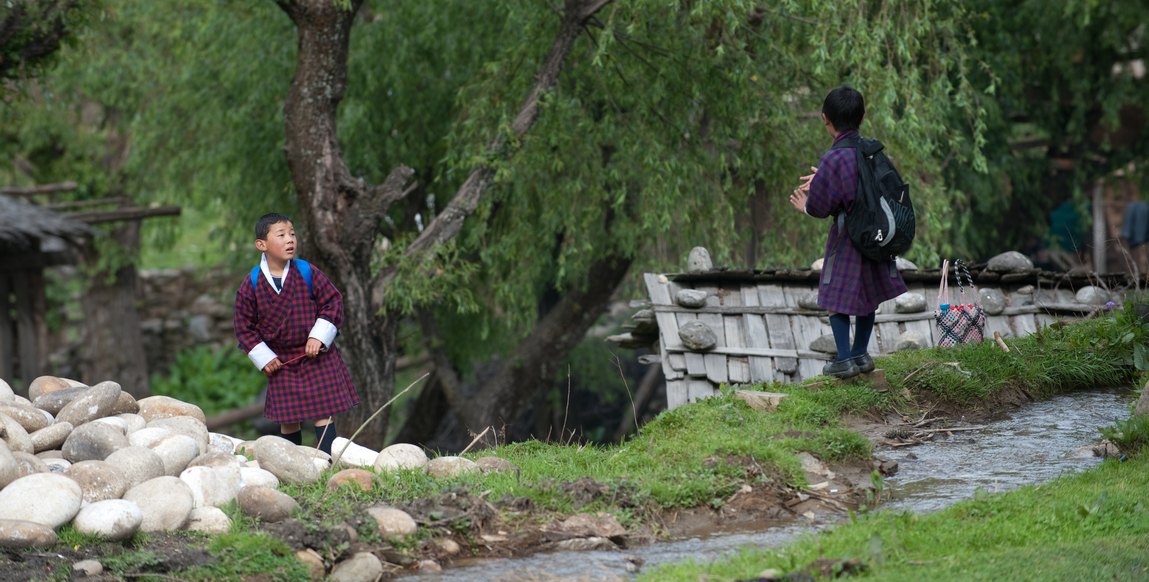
(1035, 444)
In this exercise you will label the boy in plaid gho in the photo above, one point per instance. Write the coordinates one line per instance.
(850, 284)
(286, 325)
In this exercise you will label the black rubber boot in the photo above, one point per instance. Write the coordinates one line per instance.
(843, 369)
(865, 363)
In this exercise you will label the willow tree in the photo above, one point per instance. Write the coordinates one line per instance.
(630, 121)
(553, 150)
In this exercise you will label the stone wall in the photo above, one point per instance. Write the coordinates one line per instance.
(183, 308)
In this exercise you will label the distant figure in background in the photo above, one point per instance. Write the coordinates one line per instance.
(850, 283)
(1135, 232)
(287, 314)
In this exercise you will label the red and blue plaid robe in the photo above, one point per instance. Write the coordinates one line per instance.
(850, 283)
(311, 388)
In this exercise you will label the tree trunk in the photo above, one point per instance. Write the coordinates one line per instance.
(344, 214)
(113, 348)
(508, 383)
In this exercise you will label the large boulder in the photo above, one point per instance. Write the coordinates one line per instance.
(95, 402)
(44, 498)
(286, 461)
(166, 503)
(400, 456)
(112, 519)
(93, 441)
(154, 407)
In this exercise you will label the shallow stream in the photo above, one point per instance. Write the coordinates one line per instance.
(1036, 444)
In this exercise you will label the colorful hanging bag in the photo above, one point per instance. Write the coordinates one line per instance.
(962, 322)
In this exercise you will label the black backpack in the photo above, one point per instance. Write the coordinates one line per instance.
(881, 222)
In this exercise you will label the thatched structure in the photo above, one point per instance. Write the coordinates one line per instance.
(31, 239)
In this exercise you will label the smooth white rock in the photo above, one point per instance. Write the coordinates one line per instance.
(286, 461)
(45, 498)
(212, 486)
(93, 442)
(401, 456)
(138, 464)
(99, 480)
(256, 477)
(450, 466)
(133, 421)
(147, 436)
(392, 521)
(166, 503)
(17, 534)
(223, 442)
(209, 520)
(176, 450)
(352, 454)
(120, 424)
(12, 433)
(185, 425)
(111, 519)
(9, 466)
(95, 402)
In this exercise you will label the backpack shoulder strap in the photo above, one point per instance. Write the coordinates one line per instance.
(305, 270)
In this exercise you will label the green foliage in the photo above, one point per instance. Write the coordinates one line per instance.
(1052, 92)
(1092, 526)
(1057, 358)
(242, 555)
(215, 378)
(33, 33)
(1131, 435)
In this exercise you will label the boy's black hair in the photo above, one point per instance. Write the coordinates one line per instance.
(844, 107)
(264, 223)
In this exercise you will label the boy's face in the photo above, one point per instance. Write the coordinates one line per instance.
(280, 242)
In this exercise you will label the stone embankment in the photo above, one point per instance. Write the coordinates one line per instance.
(111, 466)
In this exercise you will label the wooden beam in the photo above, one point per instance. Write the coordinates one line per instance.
(97, 217)
(118, 200)
(41, 189)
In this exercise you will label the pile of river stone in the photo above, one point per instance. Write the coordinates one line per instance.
(111, 465)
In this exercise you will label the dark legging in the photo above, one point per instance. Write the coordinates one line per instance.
(864, 327)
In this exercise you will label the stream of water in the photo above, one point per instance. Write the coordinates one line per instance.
(1036, 444)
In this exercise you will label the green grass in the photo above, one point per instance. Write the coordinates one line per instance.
(1089, 526)
(693, 455)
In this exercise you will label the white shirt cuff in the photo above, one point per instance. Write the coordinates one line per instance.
(260, 355)
(323, 331)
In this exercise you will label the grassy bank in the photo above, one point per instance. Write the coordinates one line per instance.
(1090, 526)
(698, 455)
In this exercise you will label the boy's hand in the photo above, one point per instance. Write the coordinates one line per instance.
(798, 199)
(805, 180)
(272, 367)
(313, 348)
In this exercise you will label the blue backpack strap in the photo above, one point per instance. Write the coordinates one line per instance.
(305, 270)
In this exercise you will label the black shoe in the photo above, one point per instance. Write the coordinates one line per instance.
(864, 363)
(843, 369)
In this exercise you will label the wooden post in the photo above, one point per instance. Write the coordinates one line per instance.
(7, 332)
(1099, 262)
(26, 326)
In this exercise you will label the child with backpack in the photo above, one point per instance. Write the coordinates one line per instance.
(854, 281)
(287, 315)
